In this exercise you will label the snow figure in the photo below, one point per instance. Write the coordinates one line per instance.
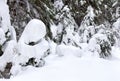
(32, 44)
(100, 46)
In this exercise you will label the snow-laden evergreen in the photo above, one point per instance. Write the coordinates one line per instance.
(65, 31)
(100, 46)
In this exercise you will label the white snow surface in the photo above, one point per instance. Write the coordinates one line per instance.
(72, 68)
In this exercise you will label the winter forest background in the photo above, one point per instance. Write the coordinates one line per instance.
(59, 40)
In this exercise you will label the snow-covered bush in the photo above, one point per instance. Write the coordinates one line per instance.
(99, 44)
(32, 44)
(101, 29)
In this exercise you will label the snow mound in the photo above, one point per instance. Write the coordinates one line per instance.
(64, 50)
(34, 31)
(36, 51)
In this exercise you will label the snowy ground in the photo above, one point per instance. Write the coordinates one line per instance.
(72, 68)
